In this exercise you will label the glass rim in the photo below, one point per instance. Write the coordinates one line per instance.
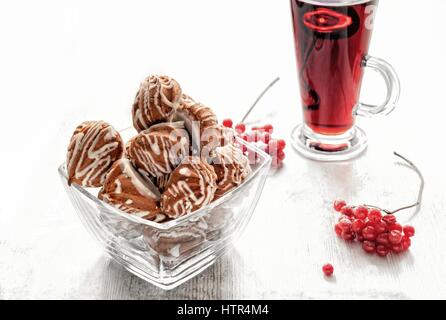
(267, 159)
(335, 3)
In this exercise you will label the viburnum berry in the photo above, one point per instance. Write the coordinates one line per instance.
(375, 215)
(382, 250)
(266, 137)
(369, 246)
(345, 224)
(347, 211)
(409, 231)
(361, 212)
(268, 128)
(380, 227)
(389, 219)
(406, 243)
(396, 227)
(397, 248)
(227, 123)
(395, 237)
(245, 137)
(338, 229)
(280, 155)
(328, 269)
(348, 236)
(339, 204)
(358, 225)
(240, 128)
(383, 239)
(369, 233)
(281, 144)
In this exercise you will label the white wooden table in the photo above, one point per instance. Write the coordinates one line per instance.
(85, 62)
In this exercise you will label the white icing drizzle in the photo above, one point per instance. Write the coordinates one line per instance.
(185, 172)
(188, 198)
(157, 153)
(84, 148)
(232, 168)
(118, 186)
(151, 101)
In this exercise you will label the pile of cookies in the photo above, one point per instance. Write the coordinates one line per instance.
(180, 160)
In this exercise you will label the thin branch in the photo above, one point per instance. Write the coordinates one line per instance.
(259, 98)
(412, 166)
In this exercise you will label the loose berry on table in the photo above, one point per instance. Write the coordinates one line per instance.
(328, 270)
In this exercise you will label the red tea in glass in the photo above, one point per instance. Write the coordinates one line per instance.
(332, 40)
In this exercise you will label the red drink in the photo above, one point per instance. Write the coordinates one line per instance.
(331, 43)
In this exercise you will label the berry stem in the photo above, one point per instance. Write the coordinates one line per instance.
(258, 98)
(420, 191)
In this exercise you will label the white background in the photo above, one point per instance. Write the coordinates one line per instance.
(63, 62)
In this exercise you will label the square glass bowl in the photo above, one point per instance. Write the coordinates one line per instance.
(168, 254)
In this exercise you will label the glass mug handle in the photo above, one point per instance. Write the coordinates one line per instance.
(393, 88)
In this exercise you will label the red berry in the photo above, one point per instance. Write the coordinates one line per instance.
(358, 225)
(240, 128)
(338, 230)
(369, 246)
(328, 270)
(347, 211)
(281, 144)
(348, 236)
(397, 248)
(361, 212)
(345, 224)
(375, 215)
(245, 137)
(380, 227)
(409, 231)
(360, 237)
(266, 137)
(396, 227)
(339, 204)
(227, 123)
(268, 128)
(382, 251)
(395, 237)
(383, 239)
(369, 233)
(281, 155)
(389, 219)
(406, 243)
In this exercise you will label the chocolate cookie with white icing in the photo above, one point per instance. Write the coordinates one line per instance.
(156, 100)
(128, 191)
(202, 124)
(93, 148)
(191, 186)
(158, 150)
(232, 168)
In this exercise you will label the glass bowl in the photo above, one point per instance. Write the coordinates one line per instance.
(168, 254)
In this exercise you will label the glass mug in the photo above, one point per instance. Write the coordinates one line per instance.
(332, 40)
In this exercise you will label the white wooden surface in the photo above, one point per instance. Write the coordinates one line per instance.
(65, 62)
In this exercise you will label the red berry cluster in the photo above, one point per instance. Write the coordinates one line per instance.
(262, 138)
(378, 234)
